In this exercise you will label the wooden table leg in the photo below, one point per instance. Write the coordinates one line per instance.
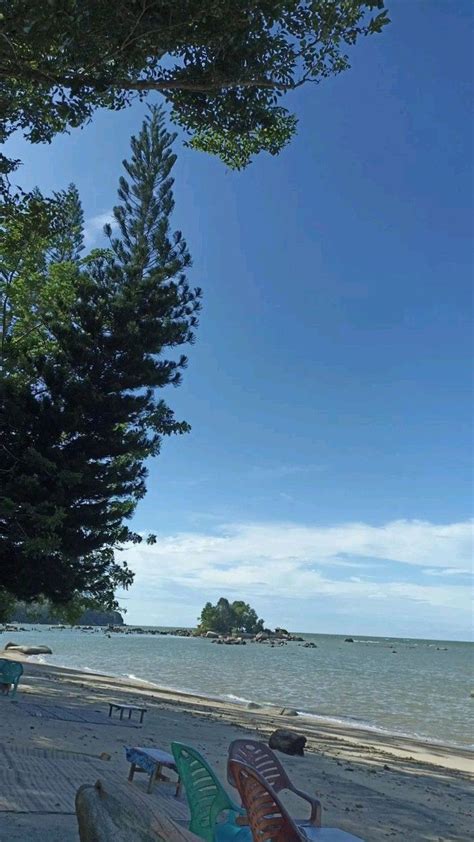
(142, 714)
(110, 709)
(178, 788)
(132, 772)
(121, 713)
(154, 775)
(130, 713)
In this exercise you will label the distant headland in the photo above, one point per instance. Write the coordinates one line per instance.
(41, 614)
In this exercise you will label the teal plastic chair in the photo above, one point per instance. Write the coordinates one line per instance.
(10, 673)
(213, 813)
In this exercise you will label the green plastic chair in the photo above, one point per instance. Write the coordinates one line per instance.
(10, 673)
(213, 813)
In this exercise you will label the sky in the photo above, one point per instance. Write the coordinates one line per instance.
(327, 478)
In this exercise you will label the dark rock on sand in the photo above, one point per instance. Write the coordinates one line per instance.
(287, 742)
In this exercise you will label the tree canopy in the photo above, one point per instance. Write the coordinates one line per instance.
(223, 66)
(226, 617)
(84, 342)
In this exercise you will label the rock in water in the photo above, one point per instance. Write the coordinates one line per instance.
(288, 712)
(29, 650)
(288, 742)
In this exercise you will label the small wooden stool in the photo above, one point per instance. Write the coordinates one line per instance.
(151, 761)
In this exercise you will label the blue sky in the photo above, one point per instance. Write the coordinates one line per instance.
(328, 474)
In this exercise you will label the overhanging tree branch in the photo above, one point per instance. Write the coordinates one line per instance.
(223, 66)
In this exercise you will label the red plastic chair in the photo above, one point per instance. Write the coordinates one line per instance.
(260, 757)
(268, 819)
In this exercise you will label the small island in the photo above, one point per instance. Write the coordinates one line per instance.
(229, 618)
(236, 623)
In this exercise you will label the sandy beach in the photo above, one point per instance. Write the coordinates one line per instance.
(372, 785)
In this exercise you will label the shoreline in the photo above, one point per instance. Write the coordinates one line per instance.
(270, 709)
(372, 785)
(417, 693)
(268, 718)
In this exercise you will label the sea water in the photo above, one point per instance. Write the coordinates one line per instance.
(417, 688)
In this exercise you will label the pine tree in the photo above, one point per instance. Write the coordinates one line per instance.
(69, 227)
(82, 411)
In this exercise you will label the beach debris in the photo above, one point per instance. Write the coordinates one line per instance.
(253, 706)
(288, 712)
(287, 742)
(349, 640)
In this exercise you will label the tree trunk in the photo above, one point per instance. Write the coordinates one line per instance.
(126, 816)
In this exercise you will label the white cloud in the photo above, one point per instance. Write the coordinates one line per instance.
(278, 561)
(93, 227)
(449, 571)
(411, 542)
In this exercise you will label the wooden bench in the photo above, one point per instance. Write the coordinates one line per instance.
(122, 708)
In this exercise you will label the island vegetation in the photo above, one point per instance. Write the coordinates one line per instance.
(229, 618)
